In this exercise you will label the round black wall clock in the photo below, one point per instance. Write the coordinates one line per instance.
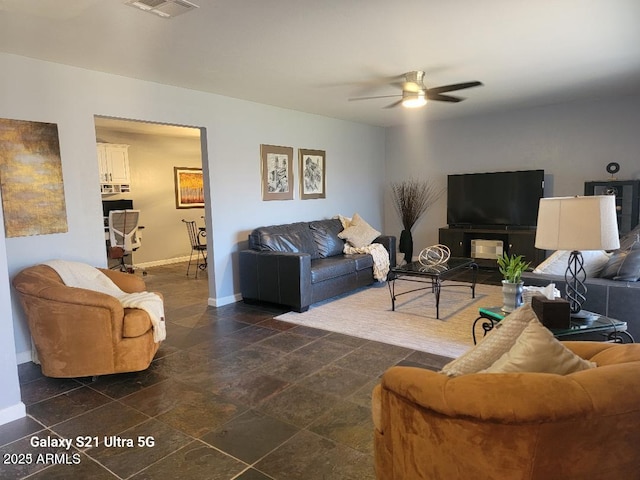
(613, 168)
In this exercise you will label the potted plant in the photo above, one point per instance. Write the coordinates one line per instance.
(511, 268)
(411, 199)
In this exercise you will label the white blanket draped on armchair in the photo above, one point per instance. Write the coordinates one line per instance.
(380, 258)
(81, 275)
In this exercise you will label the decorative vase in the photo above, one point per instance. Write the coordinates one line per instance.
(406, 245)
(511, 295)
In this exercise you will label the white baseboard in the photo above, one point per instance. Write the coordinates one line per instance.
(14, 412)
(157, 263)
(23, 357)
(219, 302)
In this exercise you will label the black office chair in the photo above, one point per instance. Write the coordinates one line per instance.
(195, 234)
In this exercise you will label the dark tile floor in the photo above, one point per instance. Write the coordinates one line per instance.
(232, 394)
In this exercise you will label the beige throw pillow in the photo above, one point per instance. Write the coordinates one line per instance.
(493, 346)
(345, 221)
(537, 350)
(359, 233)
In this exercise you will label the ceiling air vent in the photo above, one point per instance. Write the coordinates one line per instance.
(163, 8)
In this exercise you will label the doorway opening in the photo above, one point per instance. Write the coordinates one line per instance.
(145, 175)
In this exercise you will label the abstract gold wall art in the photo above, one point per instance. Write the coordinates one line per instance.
(31, 179)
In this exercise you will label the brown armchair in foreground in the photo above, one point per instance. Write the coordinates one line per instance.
(584, 425)
(78, 332)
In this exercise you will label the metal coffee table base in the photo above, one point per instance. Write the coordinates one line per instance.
(434, 283)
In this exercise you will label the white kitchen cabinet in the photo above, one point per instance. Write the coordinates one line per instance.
(113, 162)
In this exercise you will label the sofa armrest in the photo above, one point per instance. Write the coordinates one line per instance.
(128, 283)
(277, 277)
(541, 279)
(389, 242)
(125, 281)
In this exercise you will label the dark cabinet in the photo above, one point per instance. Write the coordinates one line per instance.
(627, 193)
(516, 242)
(454, 239)
(523, 243)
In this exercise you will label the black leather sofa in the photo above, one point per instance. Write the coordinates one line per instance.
(617, 299)
(302, 263)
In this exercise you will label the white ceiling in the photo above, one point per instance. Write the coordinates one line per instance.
(312, 55)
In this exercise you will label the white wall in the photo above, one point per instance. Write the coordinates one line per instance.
(572, 142)
(151, 162)
(70, 97)
(11, 407)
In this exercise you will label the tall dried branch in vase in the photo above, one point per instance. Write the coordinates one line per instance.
(411, 199)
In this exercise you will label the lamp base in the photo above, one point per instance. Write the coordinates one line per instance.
(583, 316)
(574, 277)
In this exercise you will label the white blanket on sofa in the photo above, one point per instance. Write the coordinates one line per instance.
(81, 275)
(380, 258)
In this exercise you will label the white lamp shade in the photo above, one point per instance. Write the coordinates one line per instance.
(577, 223)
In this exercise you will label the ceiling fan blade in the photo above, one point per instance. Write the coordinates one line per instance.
(394, 104)
(371, 98)
(455, 86)
(443, 98)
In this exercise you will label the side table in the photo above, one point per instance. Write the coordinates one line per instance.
(613, 330)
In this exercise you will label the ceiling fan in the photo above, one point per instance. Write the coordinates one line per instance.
(415, 93)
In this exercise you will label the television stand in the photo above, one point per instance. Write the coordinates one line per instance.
(514, 241)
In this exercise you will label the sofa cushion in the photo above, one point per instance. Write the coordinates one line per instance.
(624, 264)
(630, 239)
(493, 346)
(537, 350)
(293, 238)
(363, 260)
(359, 233)
(325, 233)
(326, 268)
(556, 264)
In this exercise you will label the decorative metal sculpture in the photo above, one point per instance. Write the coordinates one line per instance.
(434, 255)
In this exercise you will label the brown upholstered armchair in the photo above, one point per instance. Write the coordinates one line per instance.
(80, 332)
(585, 425)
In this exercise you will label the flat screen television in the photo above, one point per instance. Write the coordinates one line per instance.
(495, 200)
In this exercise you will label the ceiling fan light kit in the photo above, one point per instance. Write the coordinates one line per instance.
(414, 100)
(415, 93)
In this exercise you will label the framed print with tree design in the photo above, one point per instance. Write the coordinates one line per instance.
(277, 172)
(189, 187)
(312, 174)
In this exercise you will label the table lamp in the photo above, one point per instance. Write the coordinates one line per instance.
(576, 224)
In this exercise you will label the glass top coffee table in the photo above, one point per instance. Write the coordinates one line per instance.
(613, 330)
(433, 276)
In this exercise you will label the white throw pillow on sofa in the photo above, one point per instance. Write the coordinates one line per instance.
(556, 264)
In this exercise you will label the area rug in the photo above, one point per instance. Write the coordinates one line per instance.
(366, 313)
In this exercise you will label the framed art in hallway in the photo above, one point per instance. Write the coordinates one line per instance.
(312, 174)
(189, 187)
(277, 172)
